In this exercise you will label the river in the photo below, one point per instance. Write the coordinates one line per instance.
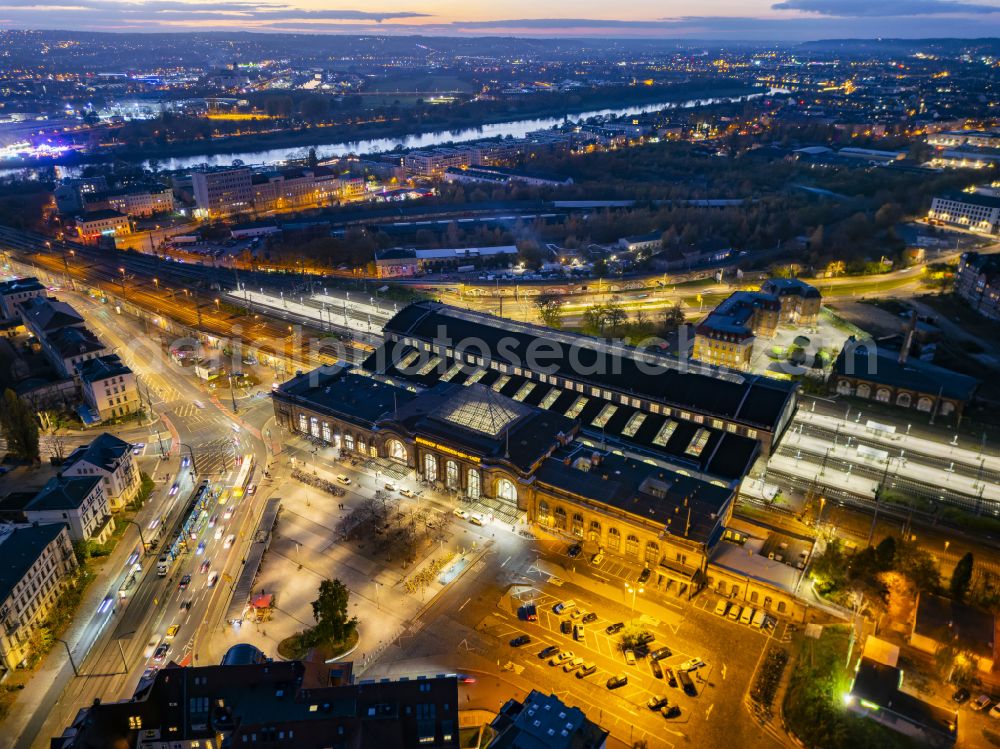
(515, 129)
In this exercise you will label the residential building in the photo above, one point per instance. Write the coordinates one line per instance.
(43, 315)
(93, 225)
(966, 157)
(968, 210)
(70, 193)
(77, 501)
(110, 458)
(650, 242)
(977, 281)
(975, 138)
(725, 338)
(433, 163)
(867, 371)
(108, 387)
(291, 189)
(223, 192)
(60, 333)
(281, 703)
(16, 292)
(69, 347)
(38, 566)
(800, 302)
(135, 201)
(944, 622)
(543, 720)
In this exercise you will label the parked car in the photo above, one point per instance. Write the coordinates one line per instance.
(597, 558)
(613, 629)
(577, 613)
(564, 606)
(645, 638)
(656, 702)
(528, 613)
(563, 655)
(663, 652)
(586, 670)
(589, 617)
(670, 711)
(566, 626)
(980, 703)
(995, 711)
(629, 657)
(692, 665)
(578, 631)
(519, 641)
(668, 674)
(548, 652)
(747, 616)
(961, 695)
(615, 682)
(574, 551)
(572, 665)
(734, 612)
(644, 575)
(686, 683)
(654, 666)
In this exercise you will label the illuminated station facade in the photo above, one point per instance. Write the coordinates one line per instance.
(612, 446)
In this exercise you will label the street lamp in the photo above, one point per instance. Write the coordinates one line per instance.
(633, 591)
(822, 504)
(156, 283)
(122, 271)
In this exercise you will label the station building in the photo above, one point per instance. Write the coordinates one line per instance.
(619, 448)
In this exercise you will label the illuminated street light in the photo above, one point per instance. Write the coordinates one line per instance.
(633, 591)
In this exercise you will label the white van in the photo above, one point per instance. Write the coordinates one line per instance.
(343, 479)
(747, 616)
(758, 619)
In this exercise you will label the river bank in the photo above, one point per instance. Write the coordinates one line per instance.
(375, 138)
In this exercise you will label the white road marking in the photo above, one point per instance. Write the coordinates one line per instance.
(464, 604)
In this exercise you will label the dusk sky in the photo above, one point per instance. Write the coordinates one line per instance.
(708, 19)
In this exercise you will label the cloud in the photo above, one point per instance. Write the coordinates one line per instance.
(884, 8)
(565, 23)
(219, 10)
